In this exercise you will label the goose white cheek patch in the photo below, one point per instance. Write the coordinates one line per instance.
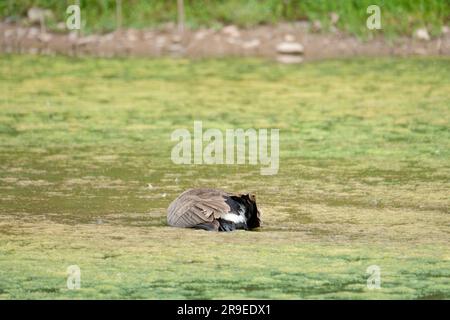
(233, 217)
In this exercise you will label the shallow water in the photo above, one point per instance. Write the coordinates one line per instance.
(86, 177)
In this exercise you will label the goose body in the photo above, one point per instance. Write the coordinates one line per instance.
(213, 210)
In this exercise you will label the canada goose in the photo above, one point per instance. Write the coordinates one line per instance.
(213, 210)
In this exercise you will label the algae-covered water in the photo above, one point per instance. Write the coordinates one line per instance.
(86, 176)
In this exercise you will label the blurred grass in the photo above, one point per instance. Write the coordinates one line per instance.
(399, 17)
(363, 180)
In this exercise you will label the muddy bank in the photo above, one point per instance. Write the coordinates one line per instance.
(259, 41)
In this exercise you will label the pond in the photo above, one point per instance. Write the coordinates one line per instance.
(86, 176)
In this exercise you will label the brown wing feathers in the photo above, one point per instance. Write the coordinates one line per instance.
(197, 206)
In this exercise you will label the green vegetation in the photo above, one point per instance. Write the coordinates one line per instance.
(398, 16)
(363, 180)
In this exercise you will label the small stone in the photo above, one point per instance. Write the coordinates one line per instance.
(251, 44)
(334, 18)
(168, 26)
(445, 29)
(148, 35)
(108, 37)
(231, 31)
(45, 37)
(149, 186)
(290, 48)
(87, 40)
(289, 38)
(8, 33)
(160, 41)
(73, 36)
(233, 40)
(21, 32)
(33, 32)
(200, 35)
(176, 49)
(422, 34)
(131, 35)
(316, 26)
(164, 195)
(176, 39)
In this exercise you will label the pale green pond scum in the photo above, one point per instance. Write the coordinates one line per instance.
(86, 177)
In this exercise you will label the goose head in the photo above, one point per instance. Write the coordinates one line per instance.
(252, 214)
